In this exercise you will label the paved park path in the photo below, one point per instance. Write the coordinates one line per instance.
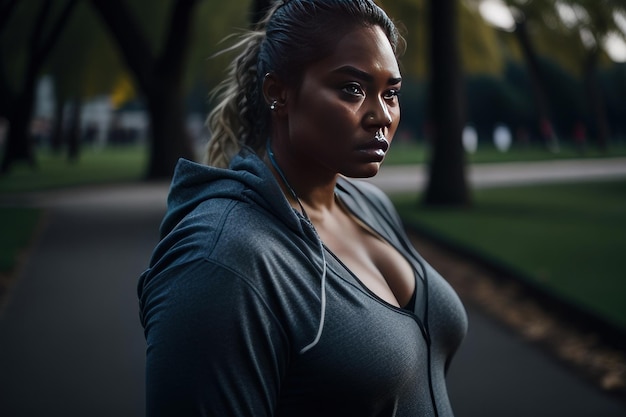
(71, 344)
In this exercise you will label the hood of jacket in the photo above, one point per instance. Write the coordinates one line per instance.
(247, 179)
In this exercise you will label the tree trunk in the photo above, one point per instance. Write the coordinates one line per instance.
(595, 102)
(19, 145)
(170, 139)
(73, 133)
(159, 79)
(447, 185)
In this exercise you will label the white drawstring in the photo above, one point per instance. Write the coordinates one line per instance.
(322, 303)
(322, 251)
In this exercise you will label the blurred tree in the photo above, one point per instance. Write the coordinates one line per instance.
(159, 76)
(493, 58)
(215, 22)
(165, 46)
(480, 48)
(531, 15)
(410, 16)
(84, 65)
(447, 184)
(433, 47)
(592, 21)
(34, 27)
(532, 19)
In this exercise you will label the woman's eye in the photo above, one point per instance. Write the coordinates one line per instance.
(391, 94)
(353, 90)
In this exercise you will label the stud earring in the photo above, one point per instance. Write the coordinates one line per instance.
(273, 105)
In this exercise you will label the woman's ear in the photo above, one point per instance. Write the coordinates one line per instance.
(274, 93)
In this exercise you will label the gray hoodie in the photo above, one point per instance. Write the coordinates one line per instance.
(247, 313)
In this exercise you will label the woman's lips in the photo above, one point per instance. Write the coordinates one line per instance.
(382, 140)
(376, 147)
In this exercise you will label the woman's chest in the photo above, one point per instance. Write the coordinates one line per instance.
(370, 356)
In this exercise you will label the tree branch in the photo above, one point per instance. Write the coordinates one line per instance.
(43, 49)
(6, 93)
(131, 42)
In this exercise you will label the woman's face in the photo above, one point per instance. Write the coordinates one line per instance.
(344, 106)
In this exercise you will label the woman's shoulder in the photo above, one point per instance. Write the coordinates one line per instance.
(235, 240)
(242, 236)
(230, 222)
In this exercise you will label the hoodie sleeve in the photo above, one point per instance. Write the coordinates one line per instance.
(214, 347)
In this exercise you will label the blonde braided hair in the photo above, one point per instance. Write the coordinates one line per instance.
(238, 118)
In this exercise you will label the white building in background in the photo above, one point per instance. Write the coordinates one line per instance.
(106, 124)
(97, 114)
(44, 99)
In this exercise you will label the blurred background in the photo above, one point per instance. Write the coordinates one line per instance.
(85, 74)
(99, 99)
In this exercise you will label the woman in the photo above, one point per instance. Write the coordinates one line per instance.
(281, 288)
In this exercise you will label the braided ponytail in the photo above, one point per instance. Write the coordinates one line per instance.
(239, 118)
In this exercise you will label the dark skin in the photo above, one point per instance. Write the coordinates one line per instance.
(330, 126)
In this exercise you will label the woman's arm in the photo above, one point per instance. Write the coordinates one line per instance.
(214, 347)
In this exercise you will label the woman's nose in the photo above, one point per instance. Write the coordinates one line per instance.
(380, 114)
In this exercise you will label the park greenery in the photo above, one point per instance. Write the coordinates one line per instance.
(547, 76)
(18, 225)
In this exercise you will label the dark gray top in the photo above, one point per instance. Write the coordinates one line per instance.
(246, 313)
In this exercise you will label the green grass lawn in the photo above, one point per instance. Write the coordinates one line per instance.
(107, 165)
(570, 238)
(18, 226)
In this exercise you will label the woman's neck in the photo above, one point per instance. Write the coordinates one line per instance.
(314, 194)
